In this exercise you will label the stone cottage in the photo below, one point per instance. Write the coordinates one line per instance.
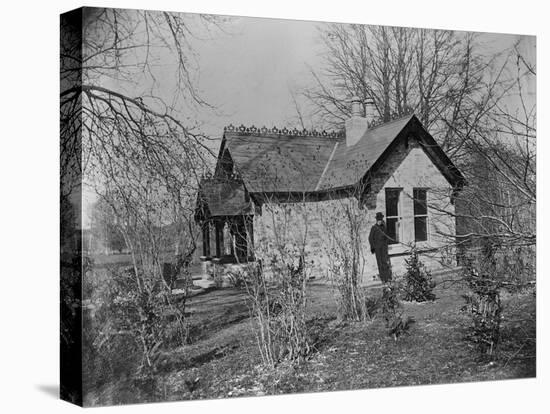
(396, 168)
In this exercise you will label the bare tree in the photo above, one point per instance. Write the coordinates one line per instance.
(437, 74)
(345, 222)
(136, 139)
(503, 174)
(128, 98)
(460, 94)
(277, 283)
(477, 106)
(111, 89)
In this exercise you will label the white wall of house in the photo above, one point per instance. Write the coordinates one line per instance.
(325, 224)
(416, 170)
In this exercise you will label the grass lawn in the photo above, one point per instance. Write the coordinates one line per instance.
(223, 360)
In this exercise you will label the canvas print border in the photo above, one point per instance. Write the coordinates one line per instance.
(259, 207)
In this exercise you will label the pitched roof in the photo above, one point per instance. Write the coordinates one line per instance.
(222, 198)
(279, 163)
(350, 164)
(282, 161)
(287, 161)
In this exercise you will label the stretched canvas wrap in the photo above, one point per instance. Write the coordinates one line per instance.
(260, 206)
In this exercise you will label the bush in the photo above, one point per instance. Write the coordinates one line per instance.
(392, 312)
(352, 300)
(418, 281)
(389, 303)
(372, 306)
(279, 311)
(237, 278)
(131, 320)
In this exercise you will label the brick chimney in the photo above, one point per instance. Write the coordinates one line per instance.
(357, 124)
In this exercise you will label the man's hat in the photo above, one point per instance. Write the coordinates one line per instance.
(379, 216)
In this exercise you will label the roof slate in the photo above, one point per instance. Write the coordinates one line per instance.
(350, 164)
(279, 163)
(224, 198)
(283, 161)
(271, 163)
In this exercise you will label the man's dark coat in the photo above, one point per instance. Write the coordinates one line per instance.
(378, 240)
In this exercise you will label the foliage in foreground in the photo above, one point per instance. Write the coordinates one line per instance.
(130, 320)
(392, 312)
(347, 355)
(344, 251)
(419, 285)
(278, 311)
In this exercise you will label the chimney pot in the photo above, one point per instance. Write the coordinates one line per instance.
(357, 124)
(357, 107)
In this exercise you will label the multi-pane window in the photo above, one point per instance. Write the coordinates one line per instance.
(392, 214)
(420, 214)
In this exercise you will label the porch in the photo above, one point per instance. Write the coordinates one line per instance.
(226, 216)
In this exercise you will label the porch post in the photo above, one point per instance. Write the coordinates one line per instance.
(219, 238)
(206, 239)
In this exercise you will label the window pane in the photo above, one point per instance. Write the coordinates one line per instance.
(392, 201)
(420, 206)
(420, 230)
(392, 230)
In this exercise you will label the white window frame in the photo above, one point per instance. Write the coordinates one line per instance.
(399, 217)
(421, 215)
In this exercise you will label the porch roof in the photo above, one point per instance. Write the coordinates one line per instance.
(220, 198)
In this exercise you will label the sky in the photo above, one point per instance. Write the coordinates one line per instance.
(249, 74)
(248, 70)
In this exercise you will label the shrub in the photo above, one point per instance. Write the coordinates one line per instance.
(277, 283)
(372, 306)
(347, 260)
(237, 278)
(392, 312)
(132, 319)
(418, 280)
(279, 311)
(389, 303)
(351, 299)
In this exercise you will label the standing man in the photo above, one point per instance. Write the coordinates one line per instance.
(378, 240)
